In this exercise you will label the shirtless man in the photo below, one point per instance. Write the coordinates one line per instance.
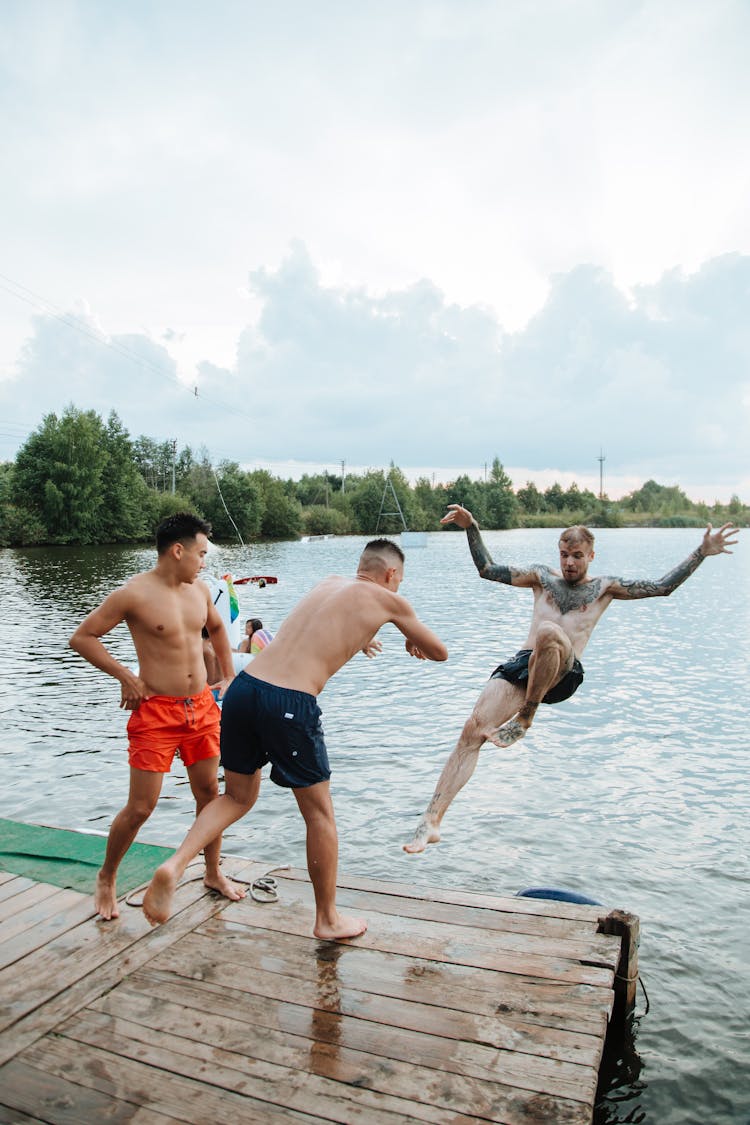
(172, 706)
(273, 715)
(567, 605)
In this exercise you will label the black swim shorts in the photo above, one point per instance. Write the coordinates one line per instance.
(516, 671)
(261, 723)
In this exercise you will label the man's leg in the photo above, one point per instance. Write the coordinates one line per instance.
(145, 787)
(205, 786)
(495, 705)
(551, 658)
(241, 793)
(316, 807)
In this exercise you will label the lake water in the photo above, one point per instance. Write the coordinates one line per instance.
(634, 792)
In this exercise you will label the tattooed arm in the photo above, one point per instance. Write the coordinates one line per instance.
(492, 571)
(714, 543)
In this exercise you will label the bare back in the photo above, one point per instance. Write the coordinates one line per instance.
(337, 619)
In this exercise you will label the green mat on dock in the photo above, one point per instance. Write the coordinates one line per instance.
(71, 859)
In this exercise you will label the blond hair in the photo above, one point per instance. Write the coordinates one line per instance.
(577, 534)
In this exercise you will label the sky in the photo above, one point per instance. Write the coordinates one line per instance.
(433, 233)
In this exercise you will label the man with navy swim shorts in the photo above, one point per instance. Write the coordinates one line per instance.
(567, 605)
(271, 714)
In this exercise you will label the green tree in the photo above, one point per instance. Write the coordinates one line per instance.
(281, 513)
(59, 475)
(554, 498)
(319, 520)
(501, 506)
(126, 506)
(469, 494)
(365, 495)
(432, 502)
(530, 499)
(237, 504)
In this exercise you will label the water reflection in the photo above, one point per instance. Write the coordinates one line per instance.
(325, 1015)
(634, 792)
(619, 1097)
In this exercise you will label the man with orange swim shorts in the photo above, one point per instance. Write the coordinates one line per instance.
(173, 710)
(164, 726)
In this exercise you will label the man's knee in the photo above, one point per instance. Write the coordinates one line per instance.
(138, 810)
(473, 734)
(549, 635)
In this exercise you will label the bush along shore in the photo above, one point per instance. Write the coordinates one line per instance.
(81, 480)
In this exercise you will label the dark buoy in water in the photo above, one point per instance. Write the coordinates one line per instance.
(558, 894)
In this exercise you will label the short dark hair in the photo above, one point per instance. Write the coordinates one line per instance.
(380, 550)
(255, 622)
(178, 528)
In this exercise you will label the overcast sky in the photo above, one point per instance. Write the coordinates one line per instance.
(424, 232)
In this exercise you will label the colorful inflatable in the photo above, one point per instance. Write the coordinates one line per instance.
(224, 597)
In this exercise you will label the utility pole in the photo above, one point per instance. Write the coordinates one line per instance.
(343, 478)
(601, 459)
(174, 455)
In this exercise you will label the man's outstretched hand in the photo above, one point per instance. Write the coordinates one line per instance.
(458, 515)
(717, 542)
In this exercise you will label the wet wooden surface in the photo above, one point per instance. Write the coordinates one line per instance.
(453, 1007)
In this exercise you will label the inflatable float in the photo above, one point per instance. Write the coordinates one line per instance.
(224, 597)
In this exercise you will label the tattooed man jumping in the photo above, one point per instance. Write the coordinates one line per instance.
(567, 605)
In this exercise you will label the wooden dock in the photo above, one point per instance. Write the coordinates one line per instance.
(454, 1007)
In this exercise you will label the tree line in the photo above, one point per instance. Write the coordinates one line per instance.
(80, 479)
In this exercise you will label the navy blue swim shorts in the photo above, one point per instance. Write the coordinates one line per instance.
(261, 723)
(516, 671)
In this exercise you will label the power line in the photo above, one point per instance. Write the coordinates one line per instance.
(36, 301)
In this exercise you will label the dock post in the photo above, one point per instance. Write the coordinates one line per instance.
(628, 927)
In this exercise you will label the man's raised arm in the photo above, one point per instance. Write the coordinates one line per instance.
(713, 543)
(493, 572)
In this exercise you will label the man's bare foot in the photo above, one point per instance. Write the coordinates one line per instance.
(105, 898)
(157, 901)
(341, 928)
(508, 733)
(426, 833)
(224, 886)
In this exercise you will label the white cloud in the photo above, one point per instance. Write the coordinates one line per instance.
(329, 373)
(157, 153)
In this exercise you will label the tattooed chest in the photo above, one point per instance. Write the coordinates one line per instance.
(570, 598)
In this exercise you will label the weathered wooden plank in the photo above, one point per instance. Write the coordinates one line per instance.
(359, 1022)
(9, 1116)
(431, 1095)
(324, 986)
(443, 943)
(16, 885)
(284, 1086)
(573, 1007)
(589, 946)
(462, 897)
(37, 925)
(52, 983)
(199, 1100)
(27, 899)
(26, 1089)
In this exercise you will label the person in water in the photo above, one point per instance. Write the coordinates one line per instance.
(567, 605)
(271, 714)
(171, 704)
(256, 637)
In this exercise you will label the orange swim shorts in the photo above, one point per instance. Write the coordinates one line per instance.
(164, 724)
